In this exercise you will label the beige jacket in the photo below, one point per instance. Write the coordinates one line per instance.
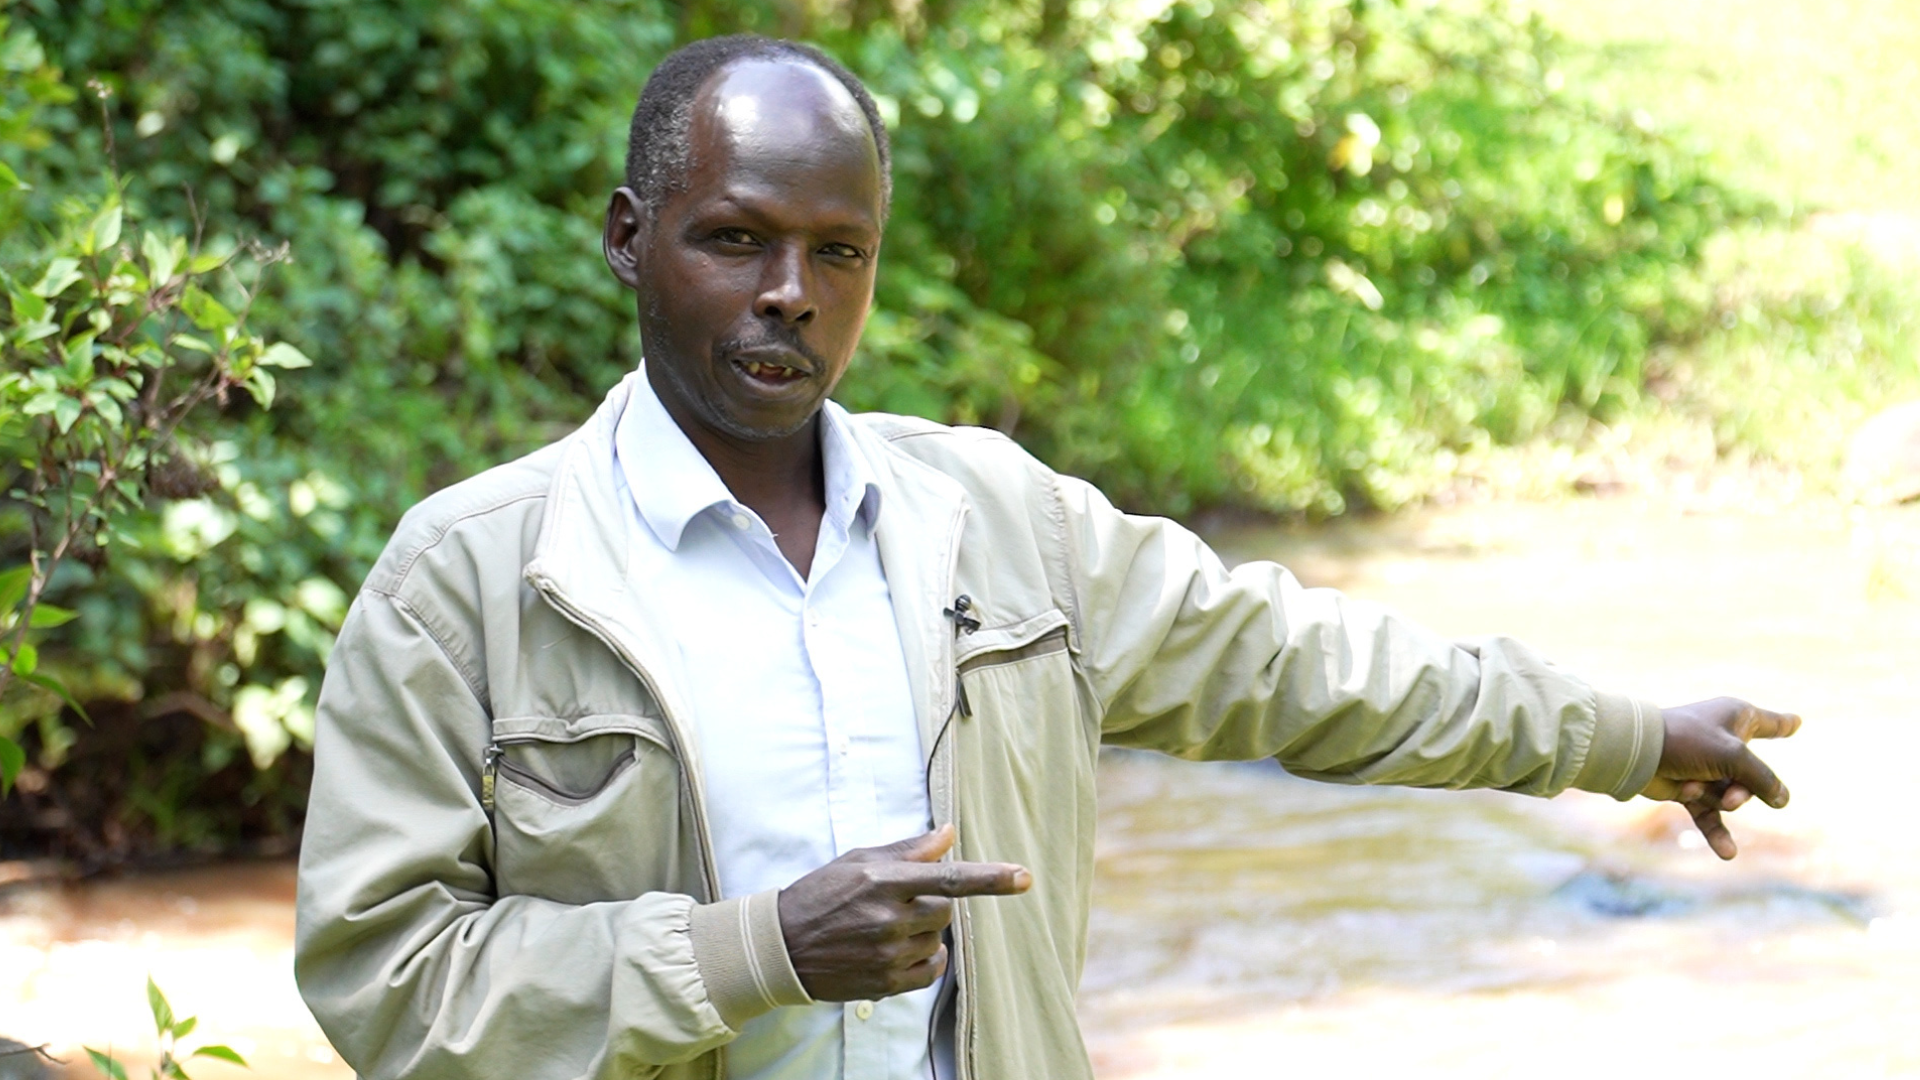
(506, 871)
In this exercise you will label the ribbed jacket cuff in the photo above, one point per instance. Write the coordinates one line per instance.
(742, 956)
(1628, 736)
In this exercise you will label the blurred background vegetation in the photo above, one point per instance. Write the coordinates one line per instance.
(1272, 256)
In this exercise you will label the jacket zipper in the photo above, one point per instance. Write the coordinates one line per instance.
(497, 763)
(709, 874)
(963, 1019)
(697, 799)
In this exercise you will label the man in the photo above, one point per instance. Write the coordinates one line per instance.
(672, 749)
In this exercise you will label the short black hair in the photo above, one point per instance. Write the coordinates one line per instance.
(659, 143)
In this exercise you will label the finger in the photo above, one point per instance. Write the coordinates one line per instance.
(1757, 723)
(1706, 817)
(914, 950)
(925, 914)
(921, 975)
(962, 879)
(925, 848)
(1751, 773)
(1734, 797)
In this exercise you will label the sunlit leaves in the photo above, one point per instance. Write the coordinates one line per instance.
(107, 317)
(168, 1032)
(222, 1053)
(60, 275)
(207, 313)
(107, 1065)
(282, 355)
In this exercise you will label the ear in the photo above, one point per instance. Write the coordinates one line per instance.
(624, 239)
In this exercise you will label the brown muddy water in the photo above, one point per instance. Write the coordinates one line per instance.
(1250, 924)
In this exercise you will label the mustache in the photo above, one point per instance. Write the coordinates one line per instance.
(767, 335)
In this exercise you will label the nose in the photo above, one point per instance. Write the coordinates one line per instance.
(786, 287)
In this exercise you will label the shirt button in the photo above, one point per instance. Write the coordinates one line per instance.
(864, 1010)
(741, 521)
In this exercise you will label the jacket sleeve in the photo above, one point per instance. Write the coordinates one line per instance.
(1190, 658)
(410, 962)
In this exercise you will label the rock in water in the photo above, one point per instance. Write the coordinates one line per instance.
(1883, 461)
(18, 1062)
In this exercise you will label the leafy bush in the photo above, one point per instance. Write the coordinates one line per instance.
(1290, 256)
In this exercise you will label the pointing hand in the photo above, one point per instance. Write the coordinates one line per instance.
(868, 924)
(1705, 764)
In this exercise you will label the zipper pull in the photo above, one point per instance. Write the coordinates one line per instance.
(490, 766)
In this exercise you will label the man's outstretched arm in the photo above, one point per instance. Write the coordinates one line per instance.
(1194, 659)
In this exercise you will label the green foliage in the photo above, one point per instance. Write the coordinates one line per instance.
(1294, 256)
(110, 339)
(168, 1032)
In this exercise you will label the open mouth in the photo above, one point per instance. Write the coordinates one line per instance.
(771, 372)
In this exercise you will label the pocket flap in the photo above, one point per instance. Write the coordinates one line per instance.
(555, 729)
(1037, 636)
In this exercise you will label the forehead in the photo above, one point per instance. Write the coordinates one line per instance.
(786, 121)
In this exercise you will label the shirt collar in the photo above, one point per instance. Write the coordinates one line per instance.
(672, 482)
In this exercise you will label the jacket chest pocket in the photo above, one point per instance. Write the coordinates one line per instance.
(585, 809)
(1025, 750)
(1019, 698)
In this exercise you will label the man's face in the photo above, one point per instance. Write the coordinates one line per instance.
(756, 280)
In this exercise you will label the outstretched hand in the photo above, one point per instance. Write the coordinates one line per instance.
(867, 925)
(1706, 766)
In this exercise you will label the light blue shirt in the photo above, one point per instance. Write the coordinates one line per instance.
(807, 740)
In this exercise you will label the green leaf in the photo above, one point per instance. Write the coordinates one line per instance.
(224, 1053)
(206, 312)
(12, 760)
(27, 659)
(65, 412)
(162, 259)
(185, 1027)
(28, 307)
(32, 332)
(162, 1012)
(11, 180)
(13, 586)
(105, 230)
(121, 389)
(188, 341)
(60, 273)
(47, 616)
(108, 408)
(106, 1064)
(206, 263)
(260, 385)
(59, 689)
(282, 355)
(79, 350)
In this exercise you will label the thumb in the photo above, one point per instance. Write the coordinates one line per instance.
(1753, 774)
(926, 848)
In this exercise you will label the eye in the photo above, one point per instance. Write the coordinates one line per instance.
(843, 251)
(736, 237)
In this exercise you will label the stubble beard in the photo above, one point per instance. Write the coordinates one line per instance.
(708, 407)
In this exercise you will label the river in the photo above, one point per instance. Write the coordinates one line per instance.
(1250, 924)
